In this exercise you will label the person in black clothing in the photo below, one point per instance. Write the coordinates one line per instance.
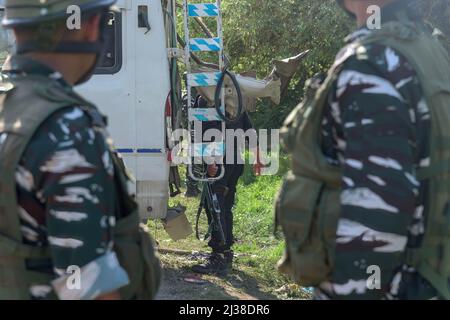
(220, 261)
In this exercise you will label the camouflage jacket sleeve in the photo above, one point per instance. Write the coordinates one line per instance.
(67, 199)
(376, 128)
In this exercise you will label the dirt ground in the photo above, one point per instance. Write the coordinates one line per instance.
(179, 283)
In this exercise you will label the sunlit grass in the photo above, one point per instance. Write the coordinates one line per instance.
(257, 250)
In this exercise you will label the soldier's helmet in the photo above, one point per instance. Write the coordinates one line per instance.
(341, 4)
(30, 12)
(408, 4)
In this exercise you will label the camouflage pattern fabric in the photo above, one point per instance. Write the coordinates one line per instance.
(67, 199)
(376, 126)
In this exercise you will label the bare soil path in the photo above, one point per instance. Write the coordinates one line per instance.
(179, 283)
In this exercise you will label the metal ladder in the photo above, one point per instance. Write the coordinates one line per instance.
(199, 151)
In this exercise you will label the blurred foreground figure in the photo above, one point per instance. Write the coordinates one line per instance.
(365, 209)
(68, 227)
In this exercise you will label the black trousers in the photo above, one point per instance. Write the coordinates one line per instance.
(226, 201)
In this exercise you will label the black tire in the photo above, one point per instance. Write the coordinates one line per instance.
(217, 100)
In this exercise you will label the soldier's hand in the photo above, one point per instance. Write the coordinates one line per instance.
(257, 166)
(212, 170)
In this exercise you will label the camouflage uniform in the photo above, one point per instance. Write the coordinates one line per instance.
(68, 200)
(376, 127)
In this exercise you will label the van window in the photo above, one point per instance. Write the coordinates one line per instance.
(111, 61)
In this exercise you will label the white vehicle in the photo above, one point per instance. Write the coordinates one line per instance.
(132, 87)
(136, 84)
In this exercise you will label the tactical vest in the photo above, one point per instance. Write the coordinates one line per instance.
(25, 103)
(308, 204)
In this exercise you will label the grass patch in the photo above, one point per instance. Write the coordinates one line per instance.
(257, 250)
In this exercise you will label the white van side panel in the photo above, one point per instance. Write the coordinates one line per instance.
(134, 101)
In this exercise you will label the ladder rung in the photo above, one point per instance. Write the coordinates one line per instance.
(203, 10)
(209, 149)
(204, 79)
(204, 114)
(204, 44)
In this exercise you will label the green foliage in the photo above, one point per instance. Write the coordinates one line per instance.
(256, 32)
(257, 249)
(437, 12)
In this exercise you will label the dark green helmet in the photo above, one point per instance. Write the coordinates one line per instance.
(30, 12)
(411, 6)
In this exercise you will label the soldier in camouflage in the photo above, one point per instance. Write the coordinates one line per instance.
(67, 190)
(375, 178)
(375, 128)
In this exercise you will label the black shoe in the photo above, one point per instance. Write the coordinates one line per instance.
(192, 192)
(217, 264)
(228, 256)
